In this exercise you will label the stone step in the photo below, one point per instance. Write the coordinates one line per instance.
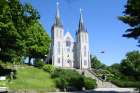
(100, 83)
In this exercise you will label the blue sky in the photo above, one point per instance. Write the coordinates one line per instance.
(100, 18)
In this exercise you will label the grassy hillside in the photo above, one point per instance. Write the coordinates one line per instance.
(32, 78)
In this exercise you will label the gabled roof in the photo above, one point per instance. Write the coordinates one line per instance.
(68, 36)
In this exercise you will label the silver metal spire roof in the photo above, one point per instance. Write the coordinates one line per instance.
(81, 22)
(57, 17)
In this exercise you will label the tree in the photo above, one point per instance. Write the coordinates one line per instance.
(23, 16)
(132, 18)
(9, 36)
(131, 65)
(37, 42)
(15, 20)
(96, 64)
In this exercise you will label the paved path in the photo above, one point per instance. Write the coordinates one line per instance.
(3, 89)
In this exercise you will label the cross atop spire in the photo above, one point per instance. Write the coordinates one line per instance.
(81, 16)
(57, 11)
(81, 22)
(57, 17)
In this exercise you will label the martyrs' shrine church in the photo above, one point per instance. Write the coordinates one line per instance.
(65, 51)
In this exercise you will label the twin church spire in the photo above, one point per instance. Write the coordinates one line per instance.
(81, 22)
(59, 23)
(57, 17)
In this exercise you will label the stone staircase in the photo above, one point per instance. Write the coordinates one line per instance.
(100, 83)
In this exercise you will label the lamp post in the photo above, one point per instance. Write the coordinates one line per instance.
(46, 59)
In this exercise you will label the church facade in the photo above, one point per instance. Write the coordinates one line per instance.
(64, 50)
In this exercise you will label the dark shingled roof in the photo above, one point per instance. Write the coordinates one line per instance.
(81, 27)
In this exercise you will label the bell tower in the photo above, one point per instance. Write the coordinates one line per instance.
(57, 33)
(82, 45)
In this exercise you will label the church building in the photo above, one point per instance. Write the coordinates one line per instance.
(66, 52)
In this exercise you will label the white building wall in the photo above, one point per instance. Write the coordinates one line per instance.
(57, 45)
(68, 51)
(83, 50)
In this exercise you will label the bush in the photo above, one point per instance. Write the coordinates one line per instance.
(89, 83)
(68, 79)
(122, 83)
(38, 63)
(61, 83)
(49, 68)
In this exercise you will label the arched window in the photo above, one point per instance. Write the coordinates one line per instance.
(68, 42)
(85, 62)
(69, 61)
(58, 48)
(60, 33)
(85, 52)
(58, 60)
(85, 38)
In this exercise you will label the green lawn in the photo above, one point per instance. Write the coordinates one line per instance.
(32, 78)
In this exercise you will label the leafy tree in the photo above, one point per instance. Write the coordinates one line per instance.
(21, 34)
(115, 66)
(132, 18)
(15, 18)
(96, 64)
(8, 34)
(37, 42)
(131, 65)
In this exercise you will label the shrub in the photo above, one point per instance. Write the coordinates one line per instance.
(77, 82)
(38, 63)
(122, 83)
(49, 68)
(61, 83)
(68, 79)
(89, 83)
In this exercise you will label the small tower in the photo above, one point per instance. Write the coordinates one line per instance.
(57, 32)
(82, 46)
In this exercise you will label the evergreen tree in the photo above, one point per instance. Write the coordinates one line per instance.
(132, 18)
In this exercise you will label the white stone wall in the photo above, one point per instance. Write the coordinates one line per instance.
(57, 46)
(70, 57)
(83, 50)
(68, 51)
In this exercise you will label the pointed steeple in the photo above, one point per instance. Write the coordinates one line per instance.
(57, 17)
(81, 22)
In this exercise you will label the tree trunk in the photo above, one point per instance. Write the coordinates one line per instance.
(29, 60)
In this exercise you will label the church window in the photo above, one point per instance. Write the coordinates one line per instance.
(68, 43)
(85, 53)
(83, 38)
(58, 60)
(56, 33)
(86, 38)
(58, 47)
(60, 33)
(69, 61)
(68, 49)
(85, 62)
